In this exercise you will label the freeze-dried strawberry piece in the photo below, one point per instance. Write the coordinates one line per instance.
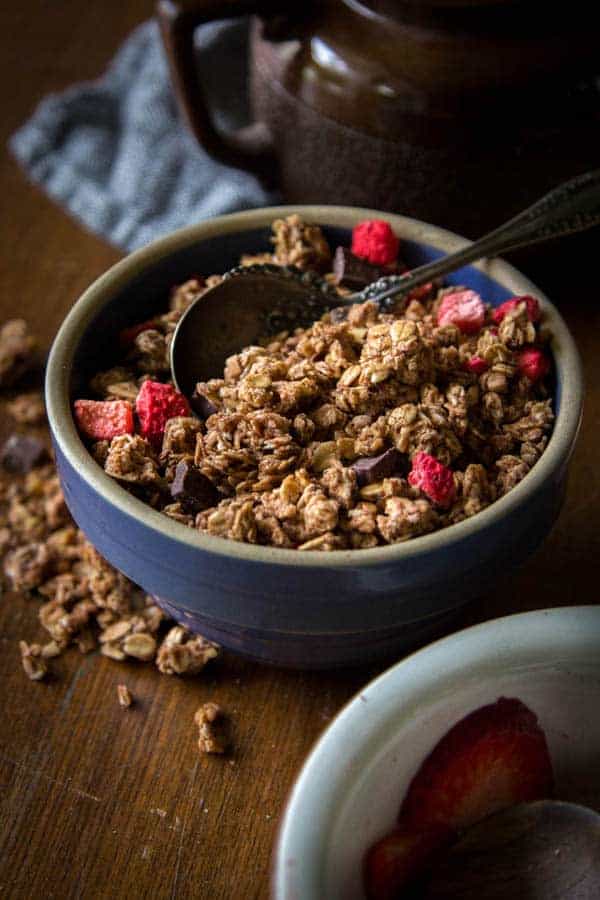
(103, 420)
(477, 365)
(128, 335)
(398, 859)
(433, 478)
(533, 363)
(375, 241)
(532, 305)
(494, 757)
(155, 404)
(421, 292)
(465, 309)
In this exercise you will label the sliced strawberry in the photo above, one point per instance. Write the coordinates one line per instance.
(155, 404)
(433, 478)
(103, 420)
(399, 858)
(533, 364)
(531, 305)
(494, 757)
(375, 241)
(465, 309)
(477, 365)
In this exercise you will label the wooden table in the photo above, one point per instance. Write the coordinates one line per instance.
(98, 802)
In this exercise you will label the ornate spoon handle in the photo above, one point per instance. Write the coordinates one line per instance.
(571, 207)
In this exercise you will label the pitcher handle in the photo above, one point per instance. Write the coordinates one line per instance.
(250, 147)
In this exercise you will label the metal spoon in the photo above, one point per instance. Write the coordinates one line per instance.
(546, 850)
(254, 301)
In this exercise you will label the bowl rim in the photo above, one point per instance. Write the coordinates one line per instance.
(542, 637)
(65, 434)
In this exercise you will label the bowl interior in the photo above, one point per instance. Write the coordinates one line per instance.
(146, 294)
(350, 790)
(137, 287)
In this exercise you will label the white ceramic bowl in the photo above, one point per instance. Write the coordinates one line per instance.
(349, 791)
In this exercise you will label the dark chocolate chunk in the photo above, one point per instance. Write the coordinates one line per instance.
(192, 489)
(370, 469)
(20, 453)
(201, 405)
(353, 272)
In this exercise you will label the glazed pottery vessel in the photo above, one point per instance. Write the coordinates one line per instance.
(423, 107)
(305, 609)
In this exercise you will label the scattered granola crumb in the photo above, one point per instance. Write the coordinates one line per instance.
(213, 728)
(124, 695)
(184, 653)
(28, 408)
(18, 348)
(33, 661)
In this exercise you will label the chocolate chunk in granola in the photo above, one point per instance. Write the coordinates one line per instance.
(352, 272)
(375, 468)
(17, 351)
(21, 453)
(201, 405)
(192, 489)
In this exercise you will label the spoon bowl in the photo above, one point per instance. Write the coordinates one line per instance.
(548, 850)
(250, 302)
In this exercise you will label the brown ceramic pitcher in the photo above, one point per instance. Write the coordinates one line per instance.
(452, 111)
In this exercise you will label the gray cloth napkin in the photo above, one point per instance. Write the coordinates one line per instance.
(115, 154)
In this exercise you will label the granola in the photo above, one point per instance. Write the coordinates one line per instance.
(85, 602)
(124, 696)
(312, 439)
(18, 348)
(213, 728)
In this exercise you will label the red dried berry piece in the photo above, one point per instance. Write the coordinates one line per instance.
(533, 363)
(375, 241)
(533, 308)
(421, 292)
(495, 757)
(433, 478)
(128, 335)
(103, 420)
(477, 365)
(155, 404)
(398, 859)
(465, 309)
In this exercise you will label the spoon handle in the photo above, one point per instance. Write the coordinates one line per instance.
(570, 207)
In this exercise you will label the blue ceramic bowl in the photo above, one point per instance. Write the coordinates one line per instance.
(308, 609)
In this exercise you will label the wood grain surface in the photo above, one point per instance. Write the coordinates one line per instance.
(96, 801)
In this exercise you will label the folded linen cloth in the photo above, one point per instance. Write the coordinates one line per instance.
(116, 155)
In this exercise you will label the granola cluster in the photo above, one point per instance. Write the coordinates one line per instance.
(289, 447)
(85, 602)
